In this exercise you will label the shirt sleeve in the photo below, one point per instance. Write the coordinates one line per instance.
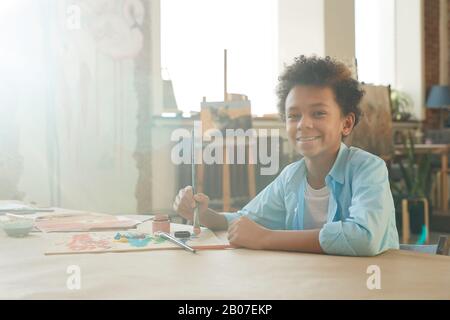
(267, 208)
(362, 233)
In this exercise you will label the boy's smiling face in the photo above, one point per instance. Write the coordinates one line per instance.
(314, 121)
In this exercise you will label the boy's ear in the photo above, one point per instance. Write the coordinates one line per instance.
(349, 123)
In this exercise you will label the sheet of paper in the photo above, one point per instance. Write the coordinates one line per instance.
(14, 206)
(102, 242)
(138, 217)
(73, 221)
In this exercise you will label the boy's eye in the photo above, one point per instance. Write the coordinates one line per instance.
(294, 116)
(319, 113)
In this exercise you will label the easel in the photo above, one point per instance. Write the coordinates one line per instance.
(226, 171)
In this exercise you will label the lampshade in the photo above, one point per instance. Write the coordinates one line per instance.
(439, 97)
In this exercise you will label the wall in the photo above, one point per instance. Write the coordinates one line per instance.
(321, 27)
(435, 46)
(409, 51)
(301, 29)
(339, 22)
(431, 25)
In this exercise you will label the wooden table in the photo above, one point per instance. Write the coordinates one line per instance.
(222, 274)
(442, 150)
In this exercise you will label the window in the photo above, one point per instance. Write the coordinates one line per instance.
(375, 41)
(194, 34)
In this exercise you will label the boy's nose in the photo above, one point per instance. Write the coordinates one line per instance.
(303, 123)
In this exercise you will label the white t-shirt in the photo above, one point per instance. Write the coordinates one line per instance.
(316, 207)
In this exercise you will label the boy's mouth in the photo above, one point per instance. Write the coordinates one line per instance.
(303, 139)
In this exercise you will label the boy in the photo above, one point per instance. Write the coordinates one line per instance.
(336, 199)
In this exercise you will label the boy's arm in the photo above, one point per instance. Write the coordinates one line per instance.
(213, 220)
(293, 240)
(369, 228)
(247, 233)
(244, 232)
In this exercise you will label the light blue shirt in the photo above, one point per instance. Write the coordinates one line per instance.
(361, 213)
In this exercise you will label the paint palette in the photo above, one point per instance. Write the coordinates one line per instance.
(137, 240)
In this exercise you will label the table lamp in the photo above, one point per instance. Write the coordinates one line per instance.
(439, 98)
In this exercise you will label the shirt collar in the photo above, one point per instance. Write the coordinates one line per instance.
(337, 172)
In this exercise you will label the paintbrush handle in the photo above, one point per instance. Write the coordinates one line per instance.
(196, 221)
(194, 184)
(193, 168)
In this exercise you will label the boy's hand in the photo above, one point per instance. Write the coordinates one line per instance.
(186, 201)
(244, 232)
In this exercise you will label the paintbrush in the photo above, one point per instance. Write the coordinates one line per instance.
(196, 221)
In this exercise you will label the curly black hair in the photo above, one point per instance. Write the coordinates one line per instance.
(321, 72)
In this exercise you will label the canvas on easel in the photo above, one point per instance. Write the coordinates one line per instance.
(230, 114)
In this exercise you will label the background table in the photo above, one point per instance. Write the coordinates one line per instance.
(26, 273)
(442, 150)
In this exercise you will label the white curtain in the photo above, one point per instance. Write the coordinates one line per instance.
(68, 102)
